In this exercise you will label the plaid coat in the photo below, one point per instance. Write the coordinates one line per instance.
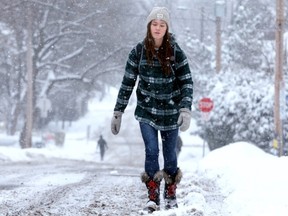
(159, 96)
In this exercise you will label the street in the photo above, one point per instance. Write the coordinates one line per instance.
(67, 187)
(73, 180)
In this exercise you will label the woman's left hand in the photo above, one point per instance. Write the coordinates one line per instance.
(184, 119)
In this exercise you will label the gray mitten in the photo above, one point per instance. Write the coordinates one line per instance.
(116, 122)
(184, 119)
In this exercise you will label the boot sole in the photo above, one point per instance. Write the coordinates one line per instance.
(151, 207)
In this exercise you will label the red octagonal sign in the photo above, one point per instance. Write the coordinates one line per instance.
(206, 105)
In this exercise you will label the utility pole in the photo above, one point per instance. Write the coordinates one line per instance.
(218, 44)
(29, 68)
(279, 84)
(220, 9)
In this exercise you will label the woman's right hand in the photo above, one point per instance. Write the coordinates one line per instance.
(116, 122)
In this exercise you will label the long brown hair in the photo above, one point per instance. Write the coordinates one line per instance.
(165, 50)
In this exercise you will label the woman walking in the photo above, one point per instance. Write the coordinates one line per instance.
(164, 99)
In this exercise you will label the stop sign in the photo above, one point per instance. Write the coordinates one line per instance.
(205, 105)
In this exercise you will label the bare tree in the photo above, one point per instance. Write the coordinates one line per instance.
(73, 46)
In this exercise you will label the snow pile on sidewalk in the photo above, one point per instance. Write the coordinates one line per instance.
(239, 180)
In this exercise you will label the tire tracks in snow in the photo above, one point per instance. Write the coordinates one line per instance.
(44, 189)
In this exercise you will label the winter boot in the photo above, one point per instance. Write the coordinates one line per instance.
(170, 189)
(153, 186)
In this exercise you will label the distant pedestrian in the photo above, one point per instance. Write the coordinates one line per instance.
(102, 144)
(179, 145)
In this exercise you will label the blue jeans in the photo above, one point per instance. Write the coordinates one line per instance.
(169, 140)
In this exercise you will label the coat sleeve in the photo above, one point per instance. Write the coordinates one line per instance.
(184, 78)
(128, 82)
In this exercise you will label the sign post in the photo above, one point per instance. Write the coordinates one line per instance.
(205, 106)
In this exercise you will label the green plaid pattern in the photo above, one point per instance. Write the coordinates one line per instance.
(159, 97)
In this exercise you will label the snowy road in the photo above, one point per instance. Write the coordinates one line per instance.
(69, 187)
(65, 187)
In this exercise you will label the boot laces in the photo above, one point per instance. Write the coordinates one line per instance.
(153, 190)
(171, 190)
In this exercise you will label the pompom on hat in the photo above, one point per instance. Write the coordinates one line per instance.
(160, 13)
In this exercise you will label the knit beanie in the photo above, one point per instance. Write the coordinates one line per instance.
(160, 13)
